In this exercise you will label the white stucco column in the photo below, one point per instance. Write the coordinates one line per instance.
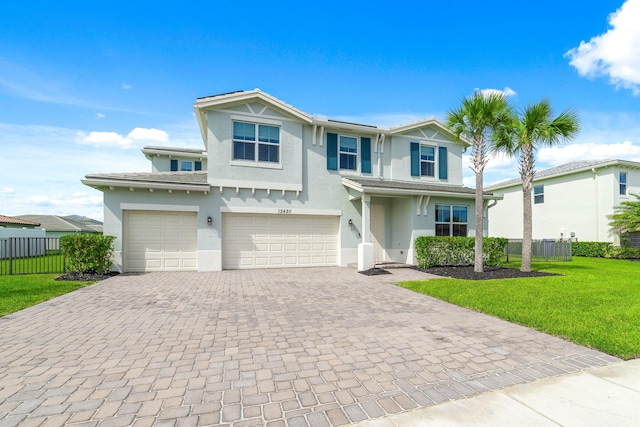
(365, 249)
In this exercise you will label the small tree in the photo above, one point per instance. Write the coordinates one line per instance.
(626, 217)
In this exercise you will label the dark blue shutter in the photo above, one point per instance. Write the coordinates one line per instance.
(365, 146)
(332, 151)
(415, 159)
(174, 165)
(198, 165)
(442, 163)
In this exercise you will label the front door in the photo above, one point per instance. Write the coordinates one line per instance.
(377, 232)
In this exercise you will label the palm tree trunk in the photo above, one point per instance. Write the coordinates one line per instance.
(526, 173)
(477, 266)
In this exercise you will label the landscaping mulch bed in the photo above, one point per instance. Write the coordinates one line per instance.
(489, 273)
(75, 276)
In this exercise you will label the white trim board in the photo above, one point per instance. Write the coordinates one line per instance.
(158, 207)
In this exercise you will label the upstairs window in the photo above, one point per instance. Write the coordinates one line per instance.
(348, 152)
(198, 165)
(266, 147)
(538, 194)
(451, 220)
(186, 166)
(424, 161)
(623, 183)
(427, 161)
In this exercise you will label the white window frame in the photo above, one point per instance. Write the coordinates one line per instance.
(347, 153)
(451, 223)
(623, 185)
(256, 162)
(538, 198)
(434, 162)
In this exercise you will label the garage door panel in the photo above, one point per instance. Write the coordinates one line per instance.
(262, 241)
(159, 241)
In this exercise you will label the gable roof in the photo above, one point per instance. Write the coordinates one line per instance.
(4, 219)
(568, 169)
(431, 121)
(58, 223)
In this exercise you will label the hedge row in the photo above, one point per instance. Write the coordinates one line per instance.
(604, 250)
(88, 253)
(435, 251)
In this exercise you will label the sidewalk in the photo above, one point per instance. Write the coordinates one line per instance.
(604, 396)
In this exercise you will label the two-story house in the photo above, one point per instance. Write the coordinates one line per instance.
(573, 200)
(276, 187)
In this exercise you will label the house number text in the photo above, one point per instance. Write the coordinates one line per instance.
(284, 211)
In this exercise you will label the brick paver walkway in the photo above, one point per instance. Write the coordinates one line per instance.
(297, 347)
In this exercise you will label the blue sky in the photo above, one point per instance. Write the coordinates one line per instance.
(83, 86)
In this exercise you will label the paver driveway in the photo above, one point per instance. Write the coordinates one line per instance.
(317, 346)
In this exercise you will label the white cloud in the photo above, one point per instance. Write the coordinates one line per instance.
(100, 116)
(142, 134)
(113, 139)
(615, 53)
(126, 86)
(589, 151)
(507, 91)
(6, 190)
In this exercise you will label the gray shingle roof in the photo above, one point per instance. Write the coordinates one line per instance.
(556, 170)
(191, 178)
(411, 186)
(57, 223)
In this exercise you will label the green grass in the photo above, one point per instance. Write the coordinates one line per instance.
(596, 303)
(51, 263)
(18, 292)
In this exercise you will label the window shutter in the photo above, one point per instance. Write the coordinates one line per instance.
(365, 145)
(198, 165)
(442, 163)
(332, 151)
(415, 159)
(174, 165)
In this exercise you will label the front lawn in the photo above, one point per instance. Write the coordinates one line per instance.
(18, 292)
(595, 303)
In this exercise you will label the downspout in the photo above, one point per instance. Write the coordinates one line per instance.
(380, 151)
(597, 209)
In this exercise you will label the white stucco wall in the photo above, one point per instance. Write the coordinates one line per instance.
(578, 203)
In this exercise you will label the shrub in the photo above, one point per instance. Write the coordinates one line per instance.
(434, 251)
(622, 252)
(88, 253)
(590, 249)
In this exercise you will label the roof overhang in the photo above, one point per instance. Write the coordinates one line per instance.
(102, 184)
(172, 151)
(433, 122)
(401, 189)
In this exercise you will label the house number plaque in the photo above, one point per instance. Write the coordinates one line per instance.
(284, 211)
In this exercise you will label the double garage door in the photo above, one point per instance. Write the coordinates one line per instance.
(168, 241)
(285, 240)
(160, 241)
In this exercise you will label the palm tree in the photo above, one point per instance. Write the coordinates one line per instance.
(477, 119)
(531, 128)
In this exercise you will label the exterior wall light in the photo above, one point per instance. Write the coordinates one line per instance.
(209, 220)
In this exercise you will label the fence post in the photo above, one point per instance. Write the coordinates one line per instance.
(10, 256)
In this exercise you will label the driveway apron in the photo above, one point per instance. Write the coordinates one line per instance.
(297, 347)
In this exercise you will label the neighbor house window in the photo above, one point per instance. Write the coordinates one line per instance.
(623, 183)
(427, 160)
(451, 220)
(538, 194)
(348, 152)
(198, 165)
(186, 166)
(266, 147)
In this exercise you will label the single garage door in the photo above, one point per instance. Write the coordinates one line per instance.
(160, 241)
(270, 241)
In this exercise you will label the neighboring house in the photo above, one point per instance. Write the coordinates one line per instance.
(280, 188)
(569, 201)
(14, 222)
(57, 226)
